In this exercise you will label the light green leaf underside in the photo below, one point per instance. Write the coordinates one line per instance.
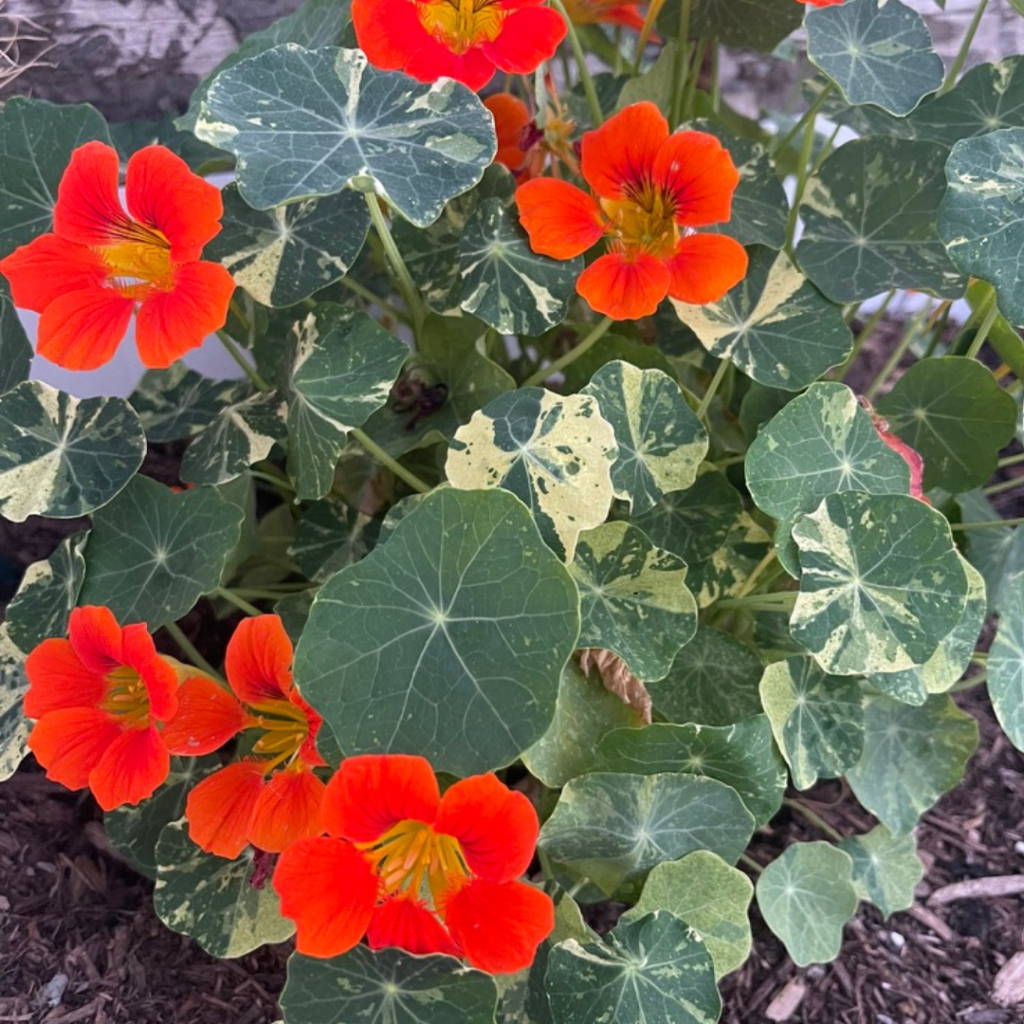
(15, 348)
(886, 868)
(1006, 666)
(14, 726)
(178, 402)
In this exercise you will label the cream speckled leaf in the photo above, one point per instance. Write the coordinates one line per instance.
(62, 456)
(14, 726)
(912, 755)
(15, 348)
(633, 598)
(820, 443)
(817, 719)
(881, 583)
(554, 453)
(806, 896)
(710, 896)
(774, 325)
(876, 51)
(886, 868)
(1006, 666)
(212, 899)
(306, 123)
(661, 441)
(656, 970)
(281, 256)
(178, 402)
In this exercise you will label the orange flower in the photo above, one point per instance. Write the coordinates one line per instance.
(524, 146)
(651, 189)
(87, 277)
(514, 128)
(409, 868)
(99, 696)
(461, 39)
(822, 3)
(271, 798)
(611, 12)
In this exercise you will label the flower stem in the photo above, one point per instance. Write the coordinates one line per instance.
(406, 285)
(236, 353)
(815, 819)
(705, 402)
(189, 649)
(803, 172)
(965, 48)
(393, 464)
(808, 116)
(653, 10)
(1010, 460)
(232, 598)
(596, 113)
(681, 68)
(983, 331)
(540, 375)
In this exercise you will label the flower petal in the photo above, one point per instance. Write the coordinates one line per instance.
(329, 890)
(158, 675)
(705, 267)
(620, 155)
(372, 793)
(496, 827)
(499, 927)
(58, 679)
(88, 209)
(288, 809)
(389, 32)
(511, 116)
(433, 61)
(407, 923)
(49, 267)
(172, 323)
(131, 768)
(561, 219)
(164, 194)
(82, 329)
(696, 172)
(527, 38)
(219, 809)
(96, 637)
(258, 661)
(207, 717)
(69, 743)
(624, 286)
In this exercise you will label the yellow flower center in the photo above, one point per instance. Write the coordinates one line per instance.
(127, 697)
(461, 24)
(285, 729)
(643, 221)
(590, 12)
(139, 262)
(412, 853)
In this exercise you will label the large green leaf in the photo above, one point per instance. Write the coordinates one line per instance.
(306, 123)
(817, 719)
(748, 24)
(61, 456)
(387, 986)
(448, 640)
(912, 755)
(886, 868)
(806, 896)
(214, 900)
(14, 726)
(870, 223)
(153, 553)
(178, 402)
(661, 441)
(954, 414)
(820, 443)
(710, 896)
(1006, 666)
(633, 598)
(15, 348)
(615, 827)
(553, 452)
(742, 756)
(774, 325)
(656, 970)
(981, 219)
(36, 142)
(881, 583)
(282, 255)
(876, 51)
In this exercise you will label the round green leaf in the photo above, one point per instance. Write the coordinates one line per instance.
(614, 828)
(656, 970)
(61, 456)
(954, 414)
(981, 219)
(710, 896)
(14, 726)
(15, 348)
(742, 756)
(448, 640)
(869, 221)
(817, 719)
(633, 598)
(806, 896)
(153, 553)
(820, 443)
(774, 325)
(553, 452)
(213, 900)
(876, 52)
(306, 123)
(886, 868)
(1006, 667)
(746, 24)
(178, 402)
(387, 986)
(281, 256)
(881, 583)
(912, 755)
(661, 441)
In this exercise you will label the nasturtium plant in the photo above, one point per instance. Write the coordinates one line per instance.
(585, 504)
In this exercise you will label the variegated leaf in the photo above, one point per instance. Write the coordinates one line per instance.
(14, 726)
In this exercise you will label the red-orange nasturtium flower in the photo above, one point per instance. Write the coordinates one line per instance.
(651, 189)
(409, 868)
(462, 39)
(822, 3)
(271, 798)
(87, 276)
(98, 697)
(610, 12)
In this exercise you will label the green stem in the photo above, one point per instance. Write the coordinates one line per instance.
(281, 486)
(705, 402)
(393, 464)
(909, 336)
(965, 49)
(1010, 460)
(232, 598)
(1004, 485)
(189, 650)
(983, 331)
(865, 332)
(258, 594)
(653, 10)
(716, 76)
(364, 293)
(992, 524)
(681, 65)
(596, 113)
(690, 92)
(751, 863)
(236, 353)
(406, 285)
(803, 172)
(752, 579)
(808, 116)
(778, 601)
(815, 819)
(542, 373)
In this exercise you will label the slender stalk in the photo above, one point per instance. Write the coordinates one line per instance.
(808, 116)
(778, 601)
(909, 336)
(983, 331)
(1010, 460)
(992, 524)
(596, 113)
(965, 48)
(281, 486)
(681, 66)
(542, 373)
(752, 579)
(1004, 485)
(393, 464)
(236, 353)
(406, 285)
(865, 332)
(364, 293)
(716, 76)
(232, 598)
(815, 819)
(705, 403)
(803, 172)
(653, 10)
(751, 863)
(258, 594)
(189, 650)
